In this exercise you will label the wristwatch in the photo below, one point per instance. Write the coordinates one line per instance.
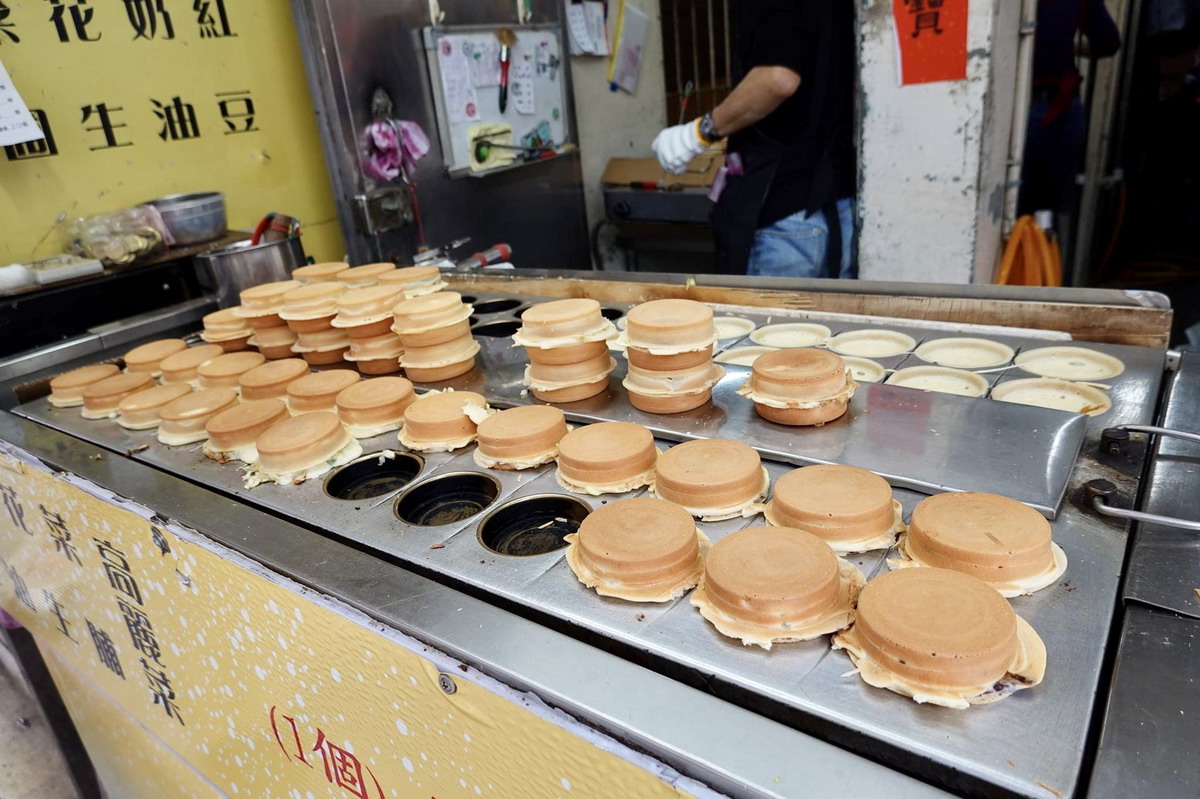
(707, 130)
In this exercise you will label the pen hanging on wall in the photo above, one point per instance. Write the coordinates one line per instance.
(508, 40)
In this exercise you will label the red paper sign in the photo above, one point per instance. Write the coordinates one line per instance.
(932, 38)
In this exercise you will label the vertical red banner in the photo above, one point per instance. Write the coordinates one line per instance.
(931, 38)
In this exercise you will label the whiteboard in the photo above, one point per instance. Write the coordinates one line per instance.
(464, 74)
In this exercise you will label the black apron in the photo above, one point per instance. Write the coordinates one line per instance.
(735, 216)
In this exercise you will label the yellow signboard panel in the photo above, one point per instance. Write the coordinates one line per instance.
(144, 98)
(260, 687)
(130, 762)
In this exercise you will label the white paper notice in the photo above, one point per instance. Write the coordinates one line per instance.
(522, 88)
(17, 125)
(485, 63)
(457, 89)
(593, 11)
(581, 38)
(631, 42)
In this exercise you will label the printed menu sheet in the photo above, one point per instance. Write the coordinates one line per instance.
(17, 125)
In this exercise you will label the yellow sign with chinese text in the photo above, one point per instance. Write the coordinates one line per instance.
(143, 98)
(258, 687)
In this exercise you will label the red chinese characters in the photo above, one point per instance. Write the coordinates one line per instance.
(342, 768)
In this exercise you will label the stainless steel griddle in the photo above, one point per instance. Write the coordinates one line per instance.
(1023, 746)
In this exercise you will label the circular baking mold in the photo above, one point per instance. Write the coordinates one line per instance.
(872, 343)
(940, 379)
(864, 370)
(1069, 363)
(1049, 392)
(791, 334)
(965, 353)
(732, 327)
(742, 356)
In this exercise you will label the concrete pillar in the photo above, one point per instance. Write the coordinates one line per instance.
(933, 156)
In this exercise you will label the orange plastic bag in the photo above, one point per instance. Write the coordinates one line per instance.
(1030, 258)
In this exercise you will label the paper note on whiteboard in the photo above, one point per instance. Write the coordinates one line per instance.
(484, 58)
(632, 27)
(458, 90)
(17, 125)
(523, 96)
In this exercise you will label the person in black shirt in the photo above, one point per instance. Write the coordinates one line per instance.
(787, 207)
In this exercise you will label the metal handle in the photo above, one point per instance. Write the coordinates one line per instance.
(1113, 440)
(1097, 490)
(1158, 431)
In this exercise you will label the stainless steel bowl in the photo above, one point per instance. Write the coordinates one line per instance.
(195, 217)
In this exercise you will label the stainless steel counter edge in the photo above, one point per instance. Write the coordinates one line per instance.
(718, 743)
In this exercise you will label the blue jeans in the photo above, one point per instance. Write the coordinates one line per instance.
(795, 245)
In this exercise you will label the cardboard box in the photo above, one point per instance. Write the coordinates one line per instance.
(625, 171)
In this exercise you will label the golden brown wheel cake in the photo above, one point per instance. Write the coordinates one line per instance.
(274, 343)
(371, 407)
(227, 328)
(148, 357)
(101, 399)
(671, 391)
(713, 478)
(415, 281)
(357, 277)
(941, 637)
(318, 391)
(66, 390)
(422, 315)
(640, 550)
(851, 509)
(319, 273)
(140, 411)
(770, 585)
(311, 308)
(563, 323)
(301, 448)
(271, 379)
(520, 438)
(667, 327)
(183, 420)
(233, 431)
(265, 299)
(367, 312)
(799, 387)
(606, 458)
(183, 366)
(225, 370)
(1004, 543)
(444, 421)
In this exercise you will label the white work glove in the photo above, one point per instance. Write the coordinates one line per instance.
(677, 145)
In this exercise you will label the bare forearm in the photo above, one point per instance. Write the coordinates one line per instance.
(762, 91)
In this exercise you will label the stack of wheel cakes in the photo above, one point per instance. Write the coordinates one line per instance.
(566, 341)
(260, 309)
(366, 316)
(435, 332)
(228, 329)
(669, 346)
(309, 311)
(319, 273)
(804, 386)
(414, 281)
